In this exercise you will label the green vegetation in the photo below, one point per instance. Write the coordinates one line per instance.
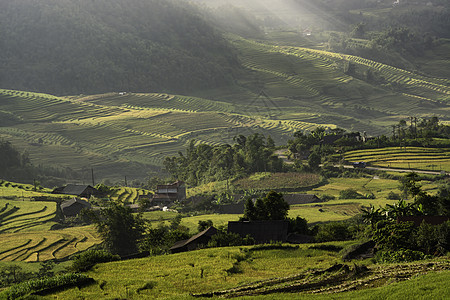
(204, 163)
(121, 46)
(278, 181)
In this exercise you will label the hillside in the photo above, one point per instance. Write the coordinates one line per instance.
(307, 272)
(286, 88)
(86, 47)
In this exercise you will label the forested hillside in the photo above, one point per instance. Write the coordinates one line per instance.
(73, 47)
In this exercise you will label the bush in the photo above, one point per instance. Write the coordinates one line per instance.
(326, 197)
(393, 196)
(402, 255)
(350, 194)
(224, 239)
(45, 284)
(393, 237)
(86, 260)
(298, 225)
(333, 232)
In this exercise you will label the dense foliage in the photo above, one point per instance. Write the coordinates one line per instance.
(270, 207)
(120, 230)
(73, 47)
(204, 163)
(12, 162)
(86, 260)
(46, 284)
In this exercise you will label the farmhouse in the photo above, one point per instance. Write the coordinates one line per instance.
(292, 199)
(72, 207)
(261, 231)
(201, 238)
(85, 191)
(167, 194)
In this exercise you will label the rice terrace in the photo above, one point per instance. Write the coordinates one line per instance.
(264, 149)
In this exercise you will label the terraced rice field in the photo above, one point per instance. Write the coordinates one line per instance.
(128, 195)
(283, 89)
(138, 131)
(435, 159)
(46, 245)
(26, 233)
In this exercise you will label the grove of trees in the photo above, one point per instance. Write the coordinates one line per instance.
(205, 163)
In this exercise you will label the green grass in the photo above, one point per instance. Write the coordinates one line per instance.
(180, 274)
(176, 276)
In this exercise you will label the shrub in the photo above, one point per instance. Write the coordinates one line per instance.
(326, 197)
(224, 239)
(202, 225)
(45, 284)
(402, 255)
(333, 232)
(350, 194)
(393, 196)
(298, 225)
(393, 237)
(86, 260)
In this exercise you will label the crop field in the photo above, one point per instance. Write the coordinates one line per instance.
(127, 195)
(268, 181)
(248, 271)
(284, 89)
(16, 216)
(33, 246)
(26, 233)
(198, 271)
(20, 190)
(435, 159)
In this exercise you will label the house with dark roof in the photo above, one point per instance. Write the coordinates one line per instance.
(261, 231)
(85, 191)
(201, 238)
(72, 207)
(167, 194)
(292, 199)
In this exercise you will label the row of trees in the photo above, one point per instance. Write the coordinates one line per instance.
(204, 163)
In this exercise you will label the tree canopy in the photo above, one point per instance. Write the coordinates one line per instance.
(204, 163)
(271, 207)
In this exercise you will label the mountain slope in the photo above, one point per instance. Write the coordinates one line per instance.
(73, 47)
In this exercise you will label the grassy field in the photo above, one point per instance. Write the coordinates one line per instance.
(176, 276)
(434, 159)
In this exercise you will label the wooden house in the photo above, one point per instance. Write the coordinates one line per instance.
(292, 199)
(72, 207)
(167, 194)
(261, 231)
(84, 191)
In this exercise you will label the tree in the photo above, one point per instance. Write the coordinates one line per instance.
(271, 207)
(314, 160)
(202, 225)
(120, 229)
